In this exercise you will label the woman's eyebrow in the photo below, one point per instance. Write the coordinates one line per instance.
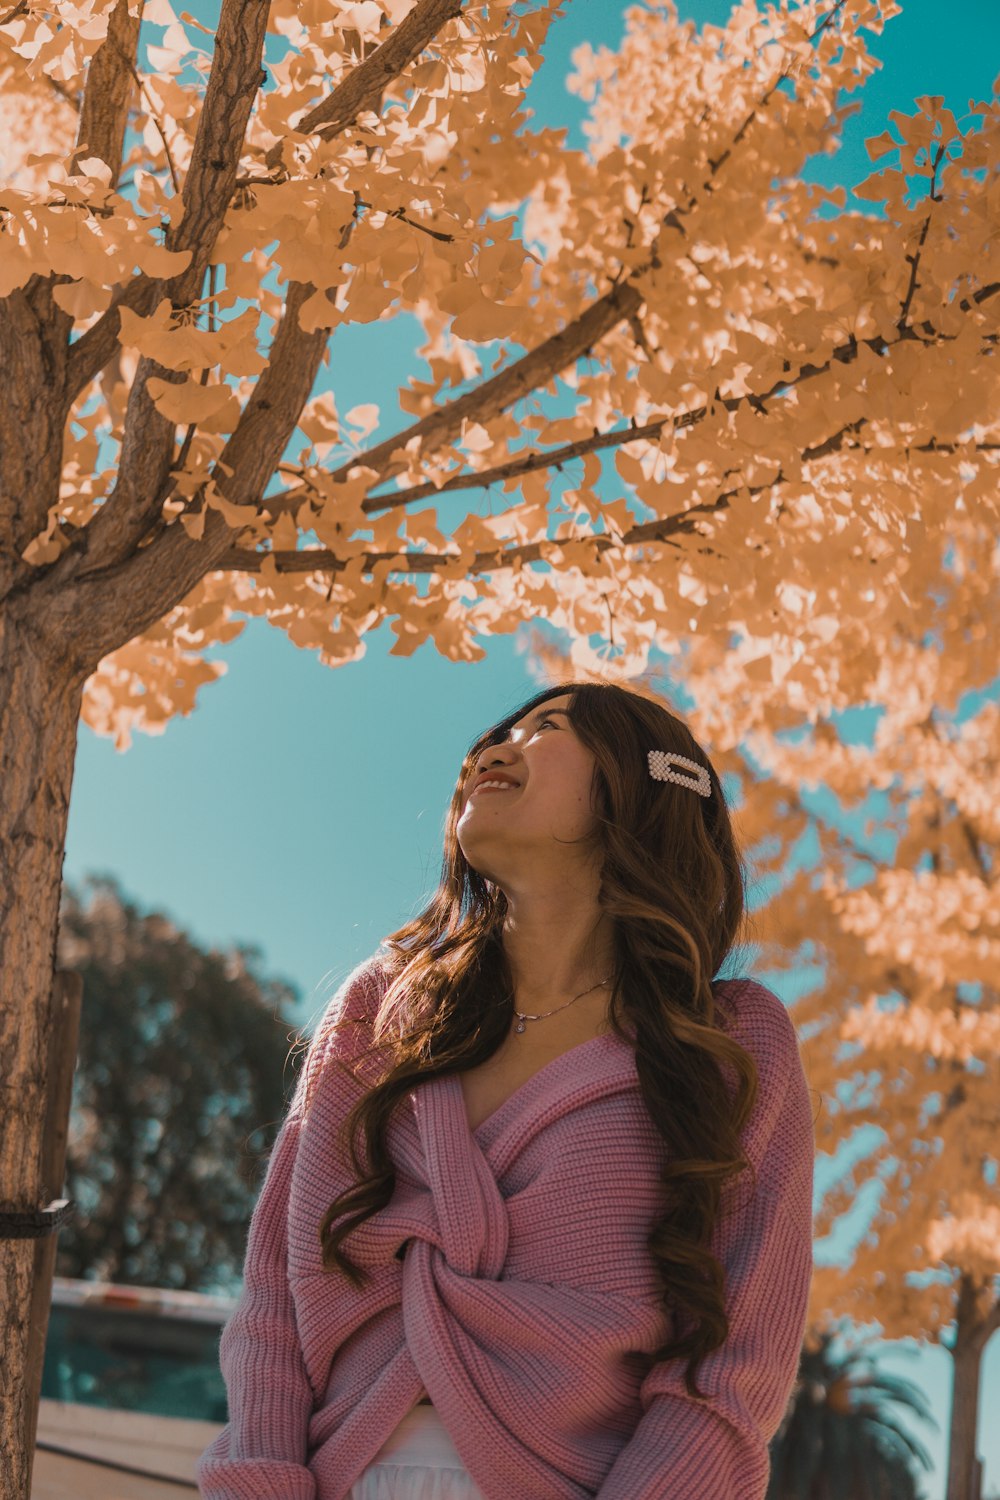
(545, 713)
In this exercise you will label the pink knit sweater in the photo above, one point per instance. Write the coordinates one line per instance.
(522, 1288)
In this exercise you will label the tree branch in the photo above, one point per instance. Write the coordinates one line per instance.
(319, 559)
(526, 463)
(361, 90)
(555, 458)
(364, 86)
(147, 451)
(104, 110)
(660, 529)
(914, 259)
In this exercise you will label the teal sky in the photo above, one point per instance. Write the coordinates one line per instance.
(300, 808)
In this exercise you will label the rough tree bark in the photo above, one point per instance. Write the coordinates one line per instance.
(39, 711)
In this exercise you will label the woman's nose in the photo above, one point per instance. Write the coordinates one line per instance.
(497, 755)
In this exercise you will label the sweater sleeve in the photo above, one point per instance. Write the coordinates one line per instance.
(261, 1453)
(718, 1449)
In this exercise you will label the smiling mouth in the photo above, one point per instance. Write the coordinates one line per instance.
(494, 786)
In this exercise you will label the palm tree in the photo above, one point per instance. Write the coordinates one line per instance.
(836, 1440)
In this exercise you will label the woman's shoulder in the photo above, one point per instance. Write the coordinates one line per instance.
(359, 994)
(344, 1028)
(756, 1017)
(759, 1020)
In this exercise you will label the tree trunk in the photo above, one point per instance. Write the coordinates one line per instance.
(64, 1032)
(40, 693)
(972, 1331)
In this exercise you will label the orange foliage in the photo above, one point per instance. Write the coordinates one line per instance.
(778, 420)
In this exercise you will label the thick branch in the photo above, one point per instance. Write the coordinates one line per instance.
(233, 81)
(493, 396)
(31, 423)
(361, 90)
(101, 609)
(157, 576)
(104, 112)
(148, 441)
(32, 436)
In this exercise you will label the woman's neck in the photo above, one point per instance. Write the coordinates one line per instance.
(556, 950)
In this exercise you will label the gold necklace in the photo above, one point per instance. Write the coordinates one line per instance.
(521, 1017)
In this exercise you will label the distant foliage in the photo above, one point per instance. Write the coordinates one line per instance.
(177, 1097)
(839, 1439)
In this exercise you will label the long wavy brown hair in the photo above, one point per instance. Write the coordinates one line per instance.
(673, 882)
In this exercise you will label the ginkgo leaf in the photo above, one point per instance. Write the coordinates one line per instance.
(478, 318)
(364, 418)
(319, 419)
(878, 145)
(191, 402)
(194, 523)
(180, 346)
(81, 299)
(94, 167)
(318, 311)
(366, 301)
(156, 260)
(158, 13)
(16, 265)
(236, 515)
(881, 185)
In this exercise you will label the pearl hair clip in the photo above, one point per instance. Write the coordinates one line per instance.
(660, 762)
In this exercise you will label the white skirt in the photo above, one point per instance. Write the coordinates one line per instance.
(418, 1461)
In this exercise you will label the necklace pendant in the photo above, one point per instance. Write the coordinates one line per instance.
(520, 1024)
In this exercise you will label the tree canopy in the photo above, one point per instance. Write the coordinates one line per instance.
(779, 415)
(177, 1096)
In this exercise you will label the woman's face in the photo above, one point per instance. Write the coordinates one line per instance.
(505, 831)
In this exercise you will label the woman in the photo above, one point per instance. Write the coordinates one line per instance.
(538, 1221)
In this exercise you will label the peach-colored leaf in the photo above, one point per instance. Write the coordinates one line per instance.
(878, 145)
(189, 401)
(364, 418)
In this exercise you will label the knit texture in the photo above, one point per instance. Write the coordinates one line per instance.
(523, 1288)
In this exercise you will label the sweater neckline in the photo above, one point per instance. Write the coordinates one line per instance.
(534, 1087)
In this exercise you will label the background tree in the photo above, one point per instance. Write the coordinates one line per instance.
(177, 1070)
(904, 1031)
(779, 386)
(838, 1440)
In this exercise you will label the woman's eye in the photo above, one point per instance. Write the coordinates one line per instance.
(543, 722)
